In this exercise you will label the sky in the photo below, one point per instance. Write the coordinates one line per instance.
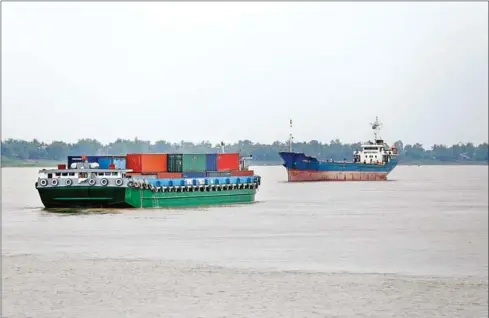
(240, 70)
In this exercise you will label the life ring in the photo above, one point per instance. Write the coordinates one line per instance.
(104, 182)
(118, 182)
(54, 182)
(69, 182)
(43, 182)
(129, 184)
(91, 182)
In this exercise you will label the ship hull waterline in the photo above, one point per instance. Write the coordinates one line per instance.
(305, 176)
(120, 198)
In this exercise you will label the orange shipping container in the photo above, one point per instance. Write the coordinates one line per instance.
(146, 162)
(227, 161)
(133, 173)
(168, 175)
(242, 173)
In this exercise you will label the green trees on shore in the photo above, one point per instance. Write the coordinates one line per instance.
(58, 150)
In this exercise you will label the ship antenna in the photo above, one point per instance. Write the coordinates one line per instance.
(291, 138)
(222, 146)
(376, 125)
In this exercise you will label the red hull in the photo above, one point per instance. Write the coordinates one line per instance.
(297, 176)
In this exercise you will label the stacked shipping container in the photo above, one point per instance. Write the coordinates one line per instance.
(194, 163)
(227, 161)
(175, 162)
(211, 162)
(147, 163)
(171, 165)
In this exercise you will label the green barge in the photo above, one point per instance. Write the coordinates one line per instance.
(87, 186)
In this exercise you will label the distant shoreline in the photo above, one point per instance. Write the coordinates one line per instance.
(13, 163)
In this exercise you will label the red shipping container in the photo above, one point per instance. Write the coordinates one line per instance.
(242, 173)
(168, 175)
(147, 162)
(61, 166)
(227, 161)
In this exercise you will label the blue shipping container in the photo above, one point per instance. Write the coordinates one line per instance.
(193, 174)
(120, 163)
(211, 162)
(104, 162)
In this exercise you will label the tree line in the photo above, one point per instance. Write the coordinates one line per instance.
(58, 150)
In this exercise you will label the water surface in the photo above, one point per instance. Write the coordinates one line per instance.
(415, 246)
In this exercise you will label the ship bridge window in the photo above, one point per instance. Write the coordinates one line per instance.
(100, 173)
(64, 174)
(50, 175)
(58, 174)
(71, 174)
(107, 173)
(115, 173)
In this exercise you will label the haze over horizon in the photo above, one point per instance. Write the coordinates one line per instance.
(236, 70)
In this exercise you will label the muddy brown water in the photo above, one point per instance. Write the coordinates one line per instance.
(416, 246)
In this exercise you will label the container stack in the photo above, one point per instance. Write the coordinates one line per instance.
(166, 166)
(147, 164)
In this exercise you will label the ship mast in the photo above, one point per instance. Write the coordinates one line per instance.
(291, 138)
(376, 125)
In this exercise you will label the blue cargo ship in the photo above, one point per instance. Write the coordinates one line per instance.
(373, 162)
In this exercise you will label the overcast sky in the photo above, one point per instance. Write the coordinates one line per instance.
(231, 71)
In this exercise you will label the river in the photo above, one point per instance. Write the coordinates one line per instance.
(415, 246)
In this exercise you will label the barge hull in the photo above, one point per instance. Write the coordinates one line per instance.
(140, 198)
(115, 197)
